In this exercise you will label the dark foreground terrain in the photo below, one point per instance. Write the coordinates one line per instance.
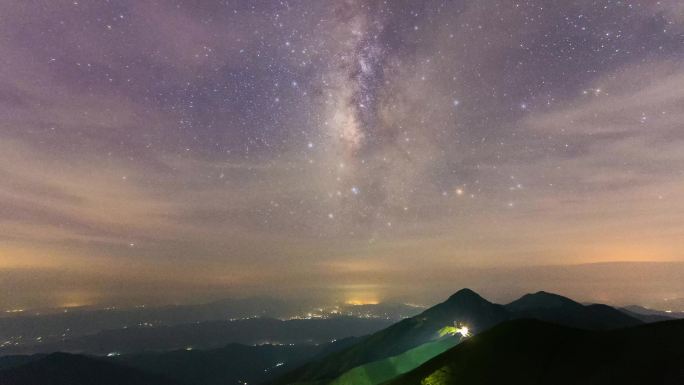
(70, 369)
(533, 352)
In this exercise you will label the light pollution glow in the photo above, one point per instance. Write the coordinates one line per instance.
(357, 151)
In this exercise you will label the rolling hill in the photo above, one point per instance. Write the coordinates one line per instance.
(533, 352)
(69, 369)
(231, 364)
(465, 307)
(207, 335)
(564, 311)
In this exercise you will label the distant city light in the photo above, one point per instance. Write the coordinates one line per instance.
(359, 302)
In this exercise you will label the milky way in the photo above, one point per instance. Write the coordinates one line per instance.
(179, 151)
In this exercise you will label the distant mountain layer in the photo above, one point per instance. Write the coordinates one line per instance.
(207, 335)
(558, 309)
(84, 321)
(465, 307)
(74, 322)
(68, 369)
(232, 364)
(532, 352)
(651, 315)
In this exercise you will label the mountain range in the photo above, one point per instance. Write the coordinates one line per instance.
(535, 338)
(231, 364)
(464, 307)
(206, 335)
(42, 330)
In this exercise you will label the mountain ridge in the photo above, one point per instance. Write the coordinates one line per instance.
(465, 307)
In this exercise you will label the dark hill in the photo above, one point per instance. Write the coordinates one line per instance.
(564, 311)
(465, 306)
(232, 364)
(541, 300)
(69, 369)
(7, 362)
(533, 352)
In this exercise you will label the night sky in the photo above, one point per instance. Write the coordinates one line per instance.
(165, 151)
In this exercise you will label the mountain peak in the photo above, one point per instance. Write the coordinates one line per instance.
(464, 293)
(465, 300)
(541, 299)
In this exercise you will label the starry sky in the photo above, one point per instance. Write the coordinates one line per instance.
(352, 150)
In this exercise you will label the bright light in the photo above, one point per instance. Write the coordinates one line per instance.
(463, 331)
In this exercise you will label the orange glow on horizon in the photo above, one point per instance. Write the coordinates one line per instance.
(360, 302)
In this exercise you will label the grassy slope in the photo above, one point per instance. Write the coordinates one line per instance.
(465, 306)
(380, 371)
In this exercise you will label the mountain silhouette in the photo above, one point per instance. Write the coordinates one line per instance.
(231, 364)
(394, 351)
(533, 352)
(564, 311)
(541, 299)
(71, 369)
(465, 307)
